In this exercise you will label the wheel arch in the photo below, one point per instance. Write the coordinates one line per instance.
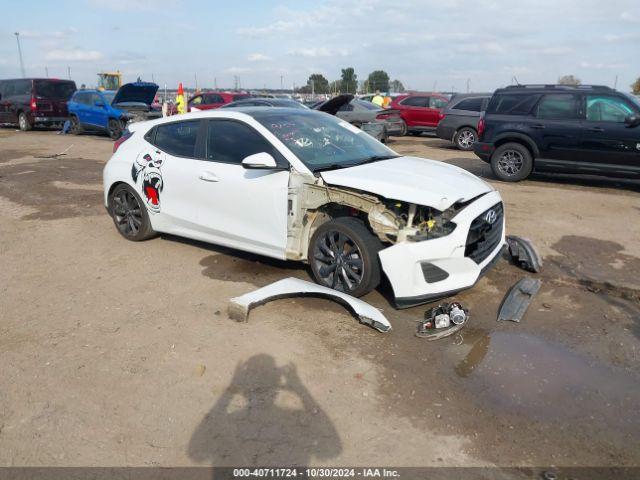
(520, 138)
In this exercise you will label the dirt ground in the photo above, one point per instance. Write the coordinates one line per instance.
(118, 353)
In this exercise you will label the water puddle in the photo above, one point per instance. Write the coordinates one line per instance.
(527, 375)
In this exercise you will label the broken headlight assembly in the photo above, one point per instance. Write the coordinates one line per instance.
(419, 223)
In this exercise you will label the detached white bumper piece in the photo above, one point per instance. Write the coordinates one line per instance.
(292, 287)
(424, 271)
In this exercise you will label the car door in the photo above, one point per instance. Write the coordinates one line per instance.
(607, 142)
(99, 110)
(414, 110)
(169, 167)
(242, 208)
(555, 127)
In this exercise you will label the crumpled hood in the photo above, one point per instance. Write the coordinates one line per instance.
(136, 92)
(411, 179)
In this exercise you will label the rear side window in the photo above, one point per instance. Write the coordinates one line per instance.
(178, 138)
(469, 104)
(82, 97)
(415, 101)
(231, 142)
(558, 107)
(57, 90)
(21, 87)
(513, 104)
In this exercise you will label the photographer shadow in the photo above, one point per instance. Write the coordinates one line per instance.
(266, 417)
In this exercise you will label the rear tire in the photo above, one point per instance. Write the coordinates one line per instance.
(115, 129)
(129, 214)
(403, 129)
(23, 122)
(343, 255)
(465, 138)
(511, 162)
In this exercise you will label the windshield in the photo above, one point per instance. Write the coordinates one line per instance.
(635, 99)
(323, 142)
(54, 89)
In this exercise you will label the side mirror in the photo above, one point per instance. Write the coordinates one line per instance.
(632, 120)
(261, 160)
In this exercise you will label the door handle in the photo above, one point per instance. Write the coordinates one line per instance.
(539, 126)
(208, 177)
(596, 129)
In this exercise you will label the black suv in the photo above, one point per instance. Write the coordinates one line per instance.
(558, 128)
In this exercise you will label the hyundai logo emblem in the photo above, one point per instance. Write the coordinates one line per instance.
(490, 217)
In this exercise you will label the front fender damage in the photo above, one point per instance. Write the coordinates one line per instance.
(239, 307)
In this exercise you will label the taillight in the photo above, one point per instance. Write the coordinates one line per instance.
(33, 105)
(441, 116)
(382, 116)
(125, 136)
(480, 126)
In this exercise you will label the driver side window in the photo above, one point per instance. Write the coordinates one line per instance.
(231, 142)
(601, 108)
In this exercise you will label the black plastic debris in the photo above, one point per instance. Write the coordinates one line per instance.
(442, 321)
(524, 254)
(515, 303)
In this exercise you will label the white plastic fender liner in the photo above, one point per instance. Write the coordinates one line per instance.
(291, 287)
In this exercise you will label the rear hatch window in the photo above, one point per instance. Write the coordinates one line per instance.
(54, 89)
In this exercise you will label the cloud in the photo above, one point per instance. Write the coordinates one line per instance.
(482, 47)
(629, 17)
(135, 5)
(74, 55)
(238, 70)
(258, 57)
(622, 37)
(315, 52)
(602, 66)
(279, 26)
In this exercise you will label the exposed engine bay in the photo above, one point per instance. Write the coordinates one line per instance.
(392, 221)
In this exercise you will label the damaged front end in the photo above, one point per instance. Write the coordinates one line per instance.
(429, 253)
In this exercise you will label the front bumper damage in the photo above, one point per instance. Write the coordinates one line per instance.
(424, 271)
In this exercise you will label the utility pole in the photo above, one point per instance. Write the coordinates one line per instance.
(615, 83)
(282, 82)
(215, 83)
(17, 34)
(195, 76)
(468, 80)
(69, 72)
(46, 72)
(153, 80)
(313, 87)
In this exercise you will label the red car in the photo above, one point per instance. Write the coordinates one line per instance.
(209, 100)
(420, 111)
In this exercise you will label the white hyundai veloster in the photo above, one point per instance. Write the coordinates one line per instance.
(303, 185)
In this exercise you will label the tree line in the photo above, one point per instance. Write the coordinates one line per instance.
(348, 83)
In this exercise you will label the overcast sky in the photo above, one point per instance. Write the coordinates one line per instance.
(420, 42)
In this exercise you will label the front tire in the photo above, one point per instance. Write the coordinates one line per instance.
(343, 255)
(23, 122)
(115, 129)
(511, 162)
(465, 138)
(129, 214)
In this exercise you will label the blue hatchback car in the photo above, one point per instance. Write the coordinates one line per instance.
(110, 111)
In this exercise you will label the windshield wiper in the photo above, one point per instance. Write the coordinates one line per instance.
(333, 166)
